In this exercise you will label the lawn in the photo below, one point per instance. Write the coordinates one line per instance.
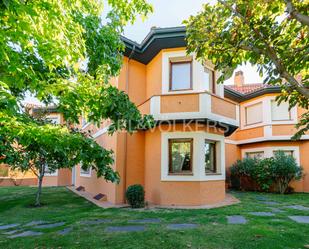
(212, 231)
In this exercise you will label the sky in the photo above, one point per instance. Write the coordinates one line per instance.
(171, 13)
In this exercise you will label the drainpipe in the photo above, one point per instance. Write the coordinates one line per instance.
(126, 134)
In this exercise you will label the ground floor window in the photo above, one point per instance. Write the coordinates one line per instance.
(86, 172)
(180, 156)
(210, 157)
(50, 172)
(286, 152)
(255, 154)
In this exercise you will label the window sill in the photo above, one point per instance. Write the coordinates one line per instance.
(181, 174)
(213, 174)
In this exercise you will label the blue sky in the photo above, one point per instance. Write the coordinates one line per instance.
(171, 13)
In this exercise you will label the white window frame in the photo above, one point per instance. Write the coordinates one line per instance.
(198, 157)
(267, 117)
(51, 174)
(198, 84)
(82, 174)
(269, 151)
(246, 114)
(273, 101)
(56, 116)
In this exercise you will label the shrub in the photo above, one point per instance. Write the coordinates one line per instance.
(135, 195)
(284, 170)
(279, 170)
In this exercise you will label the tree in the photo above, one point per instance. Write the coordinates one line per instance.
(270, 34)
(63, 53)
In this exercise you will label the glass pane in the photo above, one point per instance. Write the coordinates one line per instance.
(257, 155)
(208, 79)
(210, 157)
(254, 114)
(280, 112)
(181, 76)
(180, 152)
(286, 152)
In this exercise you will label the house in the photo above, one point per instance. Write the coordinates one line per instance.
(265, 127)
(62, 177)
(201, 128)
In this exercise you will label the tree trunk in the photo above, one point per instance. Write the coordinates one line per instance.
(39, 191)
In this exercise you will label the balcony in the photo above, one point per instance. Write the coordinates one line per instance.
(192, 106)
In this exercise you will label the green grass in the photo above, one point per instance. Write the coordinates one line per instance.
(213, 230)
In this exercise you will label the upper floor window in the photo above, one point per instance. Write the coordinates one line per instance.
(210, 157)
(280, 112)
(180, 156)
(209, 79)
(254, 114)
(180, 74)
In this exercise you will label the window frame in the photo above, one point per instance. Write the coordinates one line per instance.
(215, 157)
(212, 85)
(255, 152)
(246, 115)
(185, 61)
(278, 120)
(179, 140)
(85, 174)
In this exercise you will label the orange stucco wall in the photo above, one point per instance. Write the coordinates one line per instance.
(223, 107)
(300, 186)
(171, 192)
(96, 185)
(154, 76)
(180, 103)
(249, 133)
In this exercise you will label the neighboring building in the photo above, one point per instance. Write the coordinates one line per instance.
(62, 177)
(265, 127)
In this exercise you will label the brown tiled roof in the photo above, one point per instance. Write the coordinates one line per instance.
(247, 88)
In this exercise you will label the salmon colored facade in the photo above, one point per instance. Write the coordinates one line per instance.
(208, 118)
(267, 129)
(189, 116)
(202, 128)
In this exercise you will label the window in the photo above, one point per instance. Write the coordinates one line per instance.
(180, 156)
(286, 152)
(50, 172)
(209, 79)
(254, 114)
(54, 119)
(180, 75)
(255, 154)
(86, 173)
(210, 157)
(281, 112)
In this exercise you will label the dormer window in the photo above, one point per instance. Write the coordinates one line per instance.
(180, 74)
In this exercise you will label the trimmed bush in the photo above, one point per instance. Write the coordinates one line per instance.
(264, 174)
(135, 196)
(285, 170)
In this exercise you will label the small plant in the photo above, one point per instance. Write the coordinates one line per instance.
(284, 170)
(135, 196)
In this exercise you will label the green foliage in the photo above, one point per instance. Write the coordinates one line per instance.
(135, 196)
(284, 170)
(277, 171)
(63, 53)
(270, 34)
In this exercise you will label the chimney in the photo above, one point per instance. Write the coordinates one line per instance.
(239, 79)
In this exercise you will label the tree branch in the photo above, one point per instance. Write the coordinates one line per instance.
(271, 53)
(295, 14)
